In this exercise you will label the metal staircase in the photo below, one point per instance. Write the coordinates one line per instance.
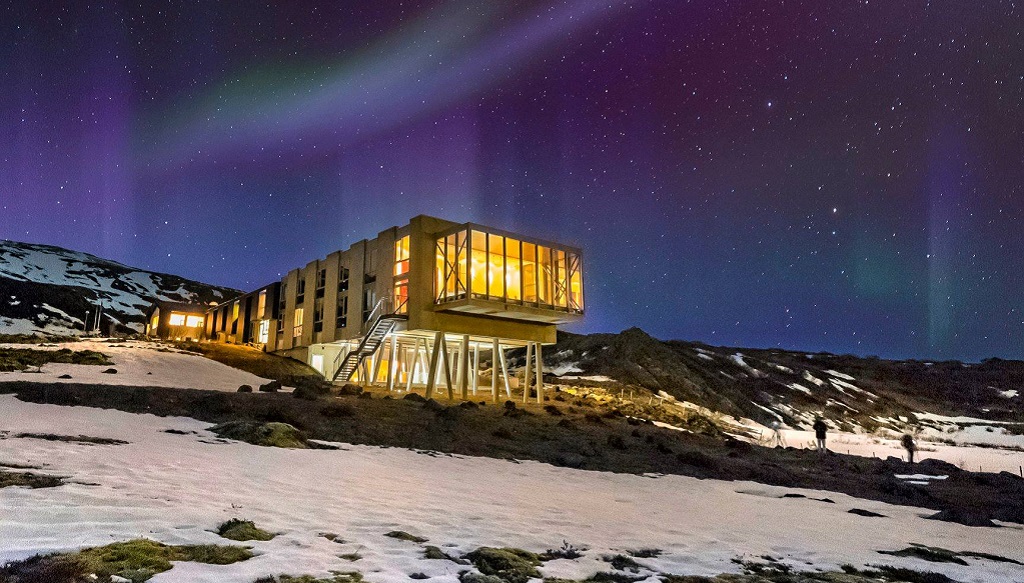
(376, 333)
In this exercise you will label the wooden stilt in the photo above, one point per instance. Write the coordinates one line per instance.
(540, 374)
(432, 369)
(494, 369)
(529, 372)
(464, 367)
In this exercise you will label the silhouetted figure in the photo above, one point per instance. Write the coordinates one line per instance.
(776, 436)
(908, 444)
(820, 429)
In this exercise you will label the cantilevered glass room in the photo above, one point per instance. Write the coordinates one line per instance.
(477, 266)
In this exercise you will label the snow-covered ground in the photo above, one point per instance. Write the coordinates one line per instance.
(177, 488)
(139, 364)
(968, 457)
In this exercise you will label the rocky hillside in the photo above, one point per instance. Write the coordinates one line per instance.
(45, 289)
(790, 386)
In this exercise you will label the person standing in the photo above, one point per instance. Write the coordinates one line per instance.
(820, 430)
(908, 444)
(776, 437)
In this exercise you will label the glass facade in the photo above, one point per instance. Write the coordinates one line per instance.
(474, 263)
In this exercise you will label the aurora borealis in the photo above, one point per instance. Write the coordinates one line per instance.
(842, 176)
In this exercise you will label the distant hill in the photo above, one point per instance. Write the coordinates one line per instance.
(46, 289)
(791, 386)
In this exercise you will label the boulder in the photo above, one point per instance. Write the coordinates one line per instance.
(271, 387)
(350, 390)
(245, 389)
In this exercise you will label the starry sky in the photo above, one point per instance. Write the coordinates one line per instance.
(843, 176)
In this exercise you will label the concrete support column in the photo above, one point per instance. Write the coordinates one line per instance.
(495, 367)
(540, 374)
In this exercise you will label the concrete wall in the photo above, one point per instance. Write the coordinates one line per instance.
(375, 258)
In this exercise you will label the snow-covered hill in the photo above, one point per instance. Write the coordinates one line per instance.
(50, 289)
(793, 387)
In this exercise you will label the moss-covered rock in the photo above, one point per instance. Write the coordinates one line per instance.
(272, 434)
(136, 560)
(509, 564)
(243, 530)
(336, 577)
(402, 535)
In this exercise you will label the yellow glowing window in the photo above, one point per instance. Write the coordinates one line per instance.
(194, 321)
(544, 280)
(496, 266)
(561, 280)
(478, 265)
(154, 324)
(177, 320)
(529, 272)
(402, 297)
(261, 309)
(402, 256)
(297, 329)
(575, 282)
(513, 270)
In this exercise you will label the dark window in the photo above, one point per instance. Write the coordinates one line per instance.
(281, 300)
(280, 324)
(300, 293)
(318, 315)
(369, 299)
(343, 279)
(342, 320)
(321, 282)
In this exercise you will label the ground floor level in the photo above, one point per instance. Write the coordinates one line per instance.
(437, 363)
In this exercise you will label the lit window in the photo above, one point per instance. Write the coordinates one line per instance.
(177, 319)
(263, 334)
(297, 330)
(478, 264)
(261, 309)
(561, 280)
(402, 297)
(194, 321)
(575, 283)
(544, 281)
(402, 256)
(513, 270)
(496, 266)
(529, 272)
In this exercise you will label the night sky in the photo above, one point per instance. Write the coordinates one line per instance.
(822, 175)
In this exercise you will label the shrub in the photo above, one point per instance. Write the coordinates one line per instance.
(566, 551)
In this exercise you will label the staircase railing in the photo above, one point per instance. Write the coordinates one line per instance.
(382, 314)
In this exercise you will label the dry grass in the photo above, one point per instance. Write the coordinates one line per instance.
(269, 366)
